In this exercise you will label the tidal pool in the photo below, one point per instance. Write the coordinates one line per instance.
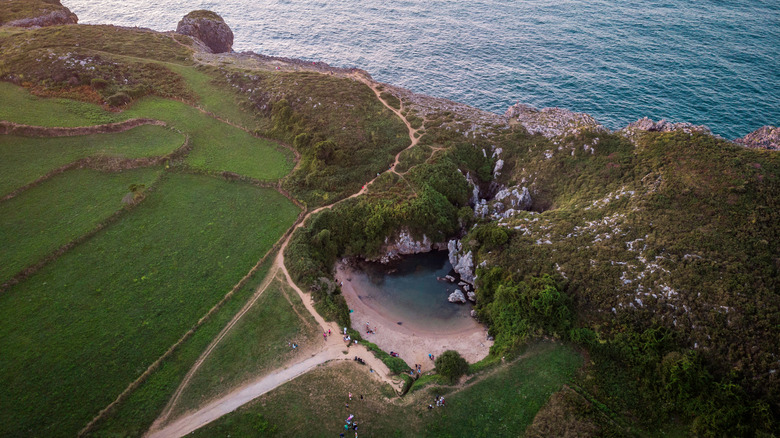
(408, 292)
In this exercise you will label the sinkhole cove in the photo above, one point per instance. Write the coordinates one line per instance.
(409, 291)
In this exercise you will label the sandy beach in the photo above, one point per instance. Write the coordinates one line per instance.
(413, 344)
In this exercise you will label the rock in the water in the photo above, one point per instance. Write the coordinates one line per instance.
(766, 137)
(209, 28)
(449, 278)
(552, 122)
(457, 297)
(472, 296)
(52, 14)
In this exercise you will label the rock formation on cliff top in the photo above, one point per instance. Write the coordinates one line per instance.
(766, 137)
(209, 28)
(51, 14)
(552, 122)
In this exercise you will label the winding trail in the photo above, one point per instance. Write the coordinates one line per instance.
(332, 349)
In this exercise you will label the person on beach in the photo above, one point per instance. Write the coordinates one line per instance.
(350, 396)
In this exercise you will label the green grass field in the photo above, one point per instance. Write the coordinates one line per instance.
(500, 404)
(26, 159)
(80, 330)
(50, 215)
(134, 415)
(22, 107)
(255, 345)
(216, 146)
(505, 402)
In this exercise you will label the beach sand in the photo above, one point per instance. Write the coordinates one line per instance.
(413, 344)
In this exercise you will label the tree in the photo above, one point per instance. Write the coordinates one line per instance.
(451, 365)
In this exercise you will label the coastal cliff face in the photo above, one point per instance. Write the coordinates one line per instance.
(39, 13)
(209, 28)
(405, 244)
(766, 137)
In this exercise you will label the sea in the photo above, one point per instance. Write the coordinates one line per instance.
(710, 62)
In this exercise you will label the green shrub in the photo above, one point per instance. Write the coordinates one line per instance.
(118, 99)
(451, 365)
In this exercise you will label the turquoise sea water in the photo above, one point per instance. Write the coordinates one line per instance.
(410, 293)
(712, 62)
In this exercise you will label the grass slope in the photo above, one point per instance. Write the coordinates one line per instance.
(503, 403)
(26, 159)
(76, 333)
(134, 415)
(217, 146)
(22, 107)
(61, 209)
(256, 345)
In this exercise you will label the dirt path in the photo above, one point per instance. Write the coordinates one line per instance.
(332, 349)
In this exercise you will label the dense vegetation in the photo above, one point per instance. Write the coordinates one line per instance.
(344, 135)
(656, 257)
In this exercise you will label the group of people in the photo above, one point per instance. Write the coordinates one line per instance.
(326, 334)
(292, 345)
(439, 402)
(350, 422)
(369, 330)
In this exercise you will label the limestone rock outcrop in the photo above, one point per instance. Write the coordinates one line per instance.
(552, 122)
(506, 203)
(646, 124)
(50, 15)
(404, 244)
(209, 28)
(766, 137)
(463, 264)
(457, 297)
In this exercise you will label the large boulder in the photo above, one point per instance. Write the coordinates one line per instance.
(50, 13)
(766, 137)
(209, 28)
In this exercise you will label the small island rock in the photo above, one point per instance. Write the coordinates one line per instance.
(209, 28)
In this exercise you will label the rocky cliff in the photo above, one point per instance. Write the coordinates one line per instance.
(766, 137)
(46, 14)
(208, 27)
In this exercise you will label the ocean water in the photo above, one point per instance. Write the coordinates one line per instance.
(711, 62)
(410, 293)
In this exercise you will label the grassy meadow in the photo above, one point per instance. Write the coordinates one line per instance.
(25, 159)
(86, 325)
(216, 146)
(502, 402)
(48, 216)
